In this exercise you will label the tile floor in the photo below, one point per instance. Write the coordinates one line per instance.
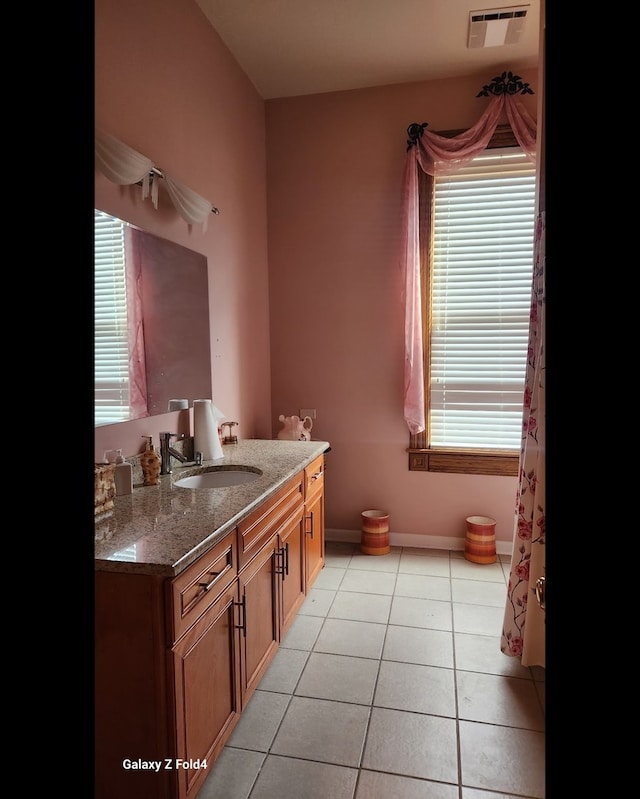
(391, 683)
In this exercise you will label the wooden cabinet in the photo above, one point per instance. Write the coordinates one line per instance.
(259, 640)
(271, 578)
(177, 660)
(292, 568)
(167, 676)
(133, 719)
(204, 661)
(314, 519)
(206, 683)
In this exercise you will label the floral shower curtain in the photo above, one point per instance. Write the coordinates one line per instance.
(525, 590)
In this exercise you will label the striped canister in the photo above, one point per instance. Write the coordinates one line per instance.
(375, 532)
(480, 543)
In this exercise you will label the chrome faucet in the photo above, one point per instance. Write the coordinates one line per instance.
(167, 452)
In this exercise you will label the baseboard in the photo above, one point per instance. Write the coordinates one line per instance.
(419, 541)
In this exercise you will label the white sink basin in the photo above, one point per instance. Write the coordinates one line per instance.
(220, 477)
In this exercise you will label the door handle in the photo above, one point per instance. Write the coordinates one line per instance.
(539, 589)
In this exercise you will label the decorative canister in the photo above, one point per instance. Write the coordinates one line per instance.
(105, 487)
(375, 532)
(480, 543)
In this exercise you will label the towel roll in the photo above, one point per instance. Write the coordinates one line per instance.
(205, 430)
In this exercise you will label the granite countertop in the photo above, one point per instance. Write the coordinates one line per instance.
(162, 529)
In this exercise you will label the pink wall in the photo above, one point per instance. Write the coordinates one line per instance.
(167, 86)
(314, 320)
(335, 164)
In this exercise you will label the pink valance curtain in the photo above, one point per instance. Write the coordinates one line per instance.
(439, 155)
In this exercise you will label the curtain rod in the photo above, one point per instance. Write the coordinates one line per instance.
(155, 172)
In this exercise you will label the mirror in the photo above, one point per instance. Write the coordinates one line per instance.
(173, 301)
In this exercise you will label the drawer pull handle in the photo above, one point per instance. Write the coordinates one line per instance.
(279, 566)
(243, 605)
(316, 476)
(208, 585)
(310, 519)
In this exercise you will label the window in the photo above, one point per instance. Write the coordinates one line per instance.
(111, 349)
(476, 309)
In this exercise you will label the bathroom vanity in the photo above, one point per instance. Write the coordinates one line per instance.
(194, 590)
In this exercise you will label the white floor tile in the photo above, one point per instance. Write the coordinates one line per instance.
(368, 582)
(466, 570)
(421, 586)
(339, 677)
(411, 612)
(288, 777)
(317, 602)
(413, 645)
(360, 607)
(284, 670)
(392, 661)
(482, 653)
(424, 564)
(329, 578)
(376, 563)
(497, 699)
(322, 730)
(259, 721)
(376, 785)
(344, 637)
(422, 689)
(233, 774)
(413, 744)
(479, 592)
(303, 632)
(502, 759)
(481, 620)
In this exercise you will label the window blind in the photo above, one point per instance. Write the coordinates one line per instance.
(111, 348)
(480, 301)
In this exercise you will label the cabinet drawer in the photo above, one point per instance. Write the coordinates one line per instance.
(314, 478)
(197, 588)
(256, 529)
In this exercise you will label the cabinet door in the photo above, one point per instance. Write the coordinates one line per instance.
(291, 569)
(206, 673)
(259, 636)
(314, 519)
(314, 537)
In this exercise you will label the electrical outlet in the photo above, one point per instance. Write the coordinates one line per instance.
(310, 412)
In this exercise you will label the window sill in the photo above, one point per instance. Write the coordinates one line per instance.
(463, 461)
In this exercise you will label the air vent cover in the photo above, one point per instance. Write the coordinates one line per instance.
(494, 27)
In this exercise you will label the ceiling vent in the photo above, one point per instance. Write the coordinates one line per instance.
(494, 27)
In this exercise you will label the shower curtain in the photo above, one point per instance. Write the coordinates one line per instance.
(523, 633)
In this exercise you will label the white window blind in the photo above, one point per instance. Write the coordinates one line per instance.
(111, 353)
(480, 301)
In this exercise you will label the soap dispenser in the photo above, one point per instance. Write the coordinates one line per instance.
(150, 463)
(124, 475)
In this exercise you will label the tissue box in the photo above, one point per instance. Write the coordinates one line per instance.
(105, 487)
